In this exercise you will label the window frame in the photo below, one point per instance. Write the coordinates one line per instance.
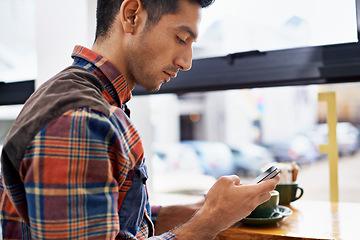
(299, 66)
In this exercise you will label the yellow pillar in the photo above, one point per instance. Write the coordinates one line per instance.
(332, 147)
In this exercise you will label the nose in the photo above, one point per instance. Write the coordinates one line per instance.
(184, 59)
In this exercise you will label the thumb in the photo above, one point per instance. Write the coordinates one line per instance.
(235, 179)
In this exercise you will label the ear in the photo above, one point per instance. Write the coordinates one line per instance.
(131, 15)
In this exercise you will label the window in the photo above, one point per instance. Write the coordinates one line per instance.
(240, 25)
(17, 40)
(252, 127)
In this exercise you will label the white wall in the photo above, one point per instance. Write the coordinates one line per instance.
(165, 118)
(240, 112)
(287, 111)
(60, 25)
(140, 116)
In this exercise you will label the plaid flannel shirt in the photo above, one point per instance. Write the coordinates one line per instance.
(79, 171)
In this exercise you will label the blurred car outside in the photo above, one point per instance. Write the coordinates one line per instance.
(176, 168)
(298, 148)
(175, 157)
(249, 159)
(347, 135)
(215, 157)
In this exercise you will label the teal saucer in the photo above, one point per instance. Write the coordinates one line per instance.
(279, 214)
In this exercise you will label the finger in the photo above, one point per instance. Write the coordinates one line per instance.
(277, 178)
(235, 179)
(270, 184)
(261, 188)
(264, 197)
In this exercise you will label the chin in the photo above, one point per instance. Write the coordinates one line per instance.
(153, 89)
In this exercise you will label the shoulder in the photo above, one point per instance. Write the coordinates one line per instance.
(114, 134)
(115, 129)
(81, 121)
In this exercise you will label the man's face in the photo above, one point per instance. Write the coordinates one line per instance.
(157, 53)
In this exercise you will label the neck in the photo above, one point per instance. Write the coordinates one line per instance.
(112, 53)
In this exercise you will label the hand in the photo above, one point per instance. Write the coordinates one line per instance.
(231, 201)
(226, 203)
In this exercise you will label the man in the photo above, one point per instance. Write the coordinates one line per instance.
(73, 164)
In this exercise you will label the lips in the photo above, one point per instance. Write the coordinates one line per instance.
(171, 74)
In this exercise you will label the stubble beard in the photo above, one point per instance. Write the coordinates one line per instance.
(138, 62)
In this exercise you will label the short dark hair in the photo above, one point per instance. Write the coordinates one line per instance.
(107, 10)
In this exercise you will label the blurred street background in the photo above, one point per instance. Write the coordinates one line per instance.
(315, 180)
(191, 139)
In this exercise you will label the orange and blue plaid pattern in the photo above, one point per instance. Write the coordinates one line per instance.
(78, 169)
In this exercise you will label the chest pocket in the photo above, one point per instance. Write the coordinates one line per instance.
(132, 209)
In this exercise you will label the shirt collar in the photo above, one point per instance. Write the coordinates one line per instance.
(114, 82)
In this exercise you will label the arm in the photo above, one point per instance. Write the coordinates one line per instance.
(172, 216)
(226, 203)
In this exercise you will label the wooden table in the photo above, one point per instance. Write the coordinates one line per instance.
(309, 220)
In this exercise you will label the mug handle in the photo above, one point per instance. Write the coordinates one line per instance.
(301, 193)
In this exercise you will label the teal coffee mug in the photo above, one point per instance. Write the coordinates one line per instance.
(289, 193)
(266, 209)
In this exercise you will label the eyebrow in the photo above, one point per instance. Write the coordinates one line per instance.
(188, 30)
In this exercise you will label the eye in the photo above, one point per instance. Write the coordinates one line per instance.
(181, 41)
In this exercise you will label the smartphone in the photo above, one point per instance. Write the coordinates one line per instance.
(268, 174)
